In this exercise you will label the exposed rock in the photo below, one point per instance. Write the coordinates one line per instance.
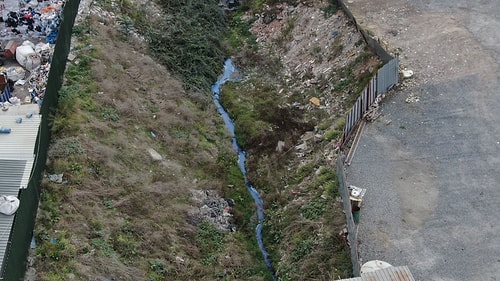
(154, 154)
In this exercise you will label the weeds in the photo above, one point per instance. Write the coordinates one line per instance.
(302, 249)
(65, 147)
(103, 246)
(314, 209)
(56, 248)
(187, 41)
(157, 270)
(109, 114)
(209, 242)
(240, 35)
(333, 134)
(331, 9)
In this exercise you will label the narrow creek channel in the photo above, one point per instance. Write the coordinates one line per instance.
(229, 70)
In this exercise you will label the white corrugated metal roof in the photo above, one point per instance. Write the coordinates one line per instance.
(16, 158)
(393, 273)
(19, 144)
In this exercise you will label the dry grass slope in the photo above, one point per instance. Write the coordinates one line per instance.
(123, 214)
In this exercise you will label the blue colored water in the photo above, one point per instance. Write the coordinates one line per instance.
(229, 70)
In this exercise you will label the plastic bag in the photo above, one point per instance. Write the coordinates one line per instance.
(8, 204)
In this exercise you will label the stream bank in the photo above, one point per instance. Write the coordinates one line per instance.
(229, 71)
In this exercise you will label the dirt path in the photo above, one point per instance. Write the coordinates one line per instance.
(431, 166)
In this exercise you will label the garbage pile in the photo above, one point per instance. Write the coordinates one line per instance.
(33, 19)
(30, 73)
(26, 64)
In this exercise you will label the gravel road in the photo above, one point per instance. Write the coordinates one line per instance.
(432, 166)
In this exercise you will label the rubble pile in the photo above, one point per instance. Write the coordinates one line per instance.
(212, 208)
(310, 44)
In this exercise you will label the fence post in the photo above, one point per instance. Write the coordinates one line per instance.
(351, 226)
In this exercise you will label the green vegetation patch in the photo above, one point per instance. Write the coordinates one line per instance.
(209, 241)
(187, 41)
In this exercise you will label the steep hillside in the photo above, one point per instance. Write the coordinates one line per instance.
(145, 164)
(306, 68)
(151, 189)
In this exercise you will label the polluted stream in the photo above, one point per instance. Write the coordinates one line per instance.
(229, 71)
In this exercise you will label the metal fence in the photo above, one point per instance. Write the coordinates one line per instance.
(14, 265)
(351, 226)
(386, 77)
(379, 50)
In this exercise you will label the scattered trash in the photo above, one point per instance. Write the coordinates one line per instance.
(33, 243)
(302, 146)
(10, 49)
(20, 82)
(212, 208)
(15, 101)
(8, 204)
(356, 193)
(412, 98)
(15, 73)
(22, 53)
(57, 178)
(315, 101)
(71, 57)
(335, 34)
(31, 19)
(153, 135)
(280, 146)
(373, 112)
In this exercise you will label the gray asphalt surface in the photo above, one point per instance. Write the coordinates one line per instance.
(432, 167)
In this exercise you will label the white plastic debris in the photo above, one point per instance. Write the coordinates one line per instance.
(407, 73)
(8, 204)
(22, 53)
